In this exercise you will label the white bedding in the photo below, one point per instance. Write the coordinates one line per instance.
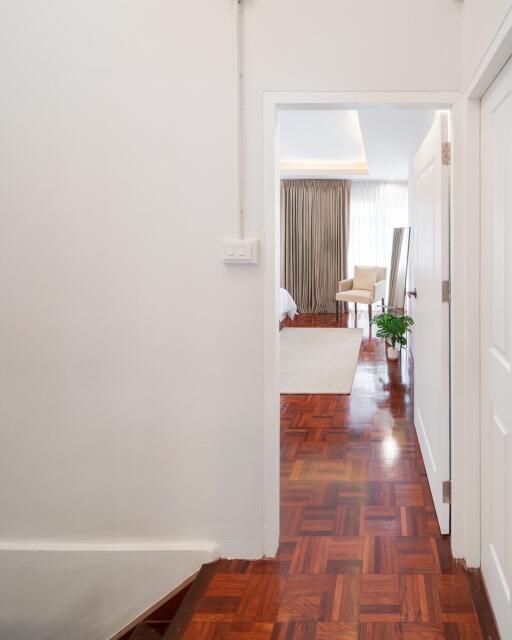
(287, 306)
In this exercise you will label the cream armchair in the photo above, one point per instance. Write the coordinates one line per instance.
(368, 286)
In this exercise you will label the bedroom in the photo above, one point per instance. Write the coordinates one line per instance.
(344, 223)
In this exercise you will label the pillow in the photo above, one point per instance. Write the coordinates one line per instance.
(365, 278)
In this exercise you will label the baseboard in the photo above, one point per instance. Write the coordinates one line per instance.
(483, 606)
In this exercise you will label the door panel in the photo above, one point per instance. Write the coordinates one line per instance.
(430, 227)
(496, 342)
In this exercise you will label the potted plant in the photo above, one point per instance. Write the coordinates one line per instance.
(393, 328)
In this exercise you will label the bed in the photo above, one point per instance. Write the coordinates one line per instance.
(287, 306)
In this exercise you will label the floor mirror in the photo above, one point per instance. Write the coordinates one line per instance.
(398, 268)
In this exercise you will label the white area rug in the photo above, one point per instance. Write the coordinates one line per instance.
(319, 360)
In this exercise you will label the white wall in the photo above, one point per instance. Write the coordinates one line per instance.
(347, 45)
(40, 599)
(121, 333)
(120, 327)
(131, 359)
(481, 22)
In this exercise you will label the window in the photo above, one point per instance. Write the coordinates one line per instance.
(375, 209)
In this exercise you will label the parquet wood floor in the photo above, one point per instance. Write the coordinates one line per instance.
(361, 555)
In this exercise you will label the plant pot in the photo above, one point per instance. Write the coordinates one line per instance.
(393, 353)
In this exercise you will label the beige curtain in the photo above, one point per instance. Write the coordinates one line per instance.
(314, 241)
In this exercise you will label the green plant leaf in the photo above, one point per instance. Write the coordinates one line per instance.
(394, 328)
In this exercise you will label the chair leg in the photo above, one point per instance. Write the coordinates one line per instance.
(337, 311)
(382, 302)
(355, 307)
(370, 312)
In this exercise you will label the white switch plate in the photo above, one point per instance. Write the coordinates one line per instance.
(240, 251)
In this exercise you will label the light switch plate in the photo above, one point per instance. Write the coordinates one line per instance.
(240, 251)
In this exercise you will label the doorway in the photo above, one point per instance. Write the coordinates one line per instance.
(274, 103)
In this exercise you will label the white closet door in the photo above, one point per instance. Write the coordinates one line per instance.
(496, 347)
(430, 199)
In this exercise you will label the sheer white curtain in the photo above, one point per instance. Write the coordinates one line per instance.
(375, 209)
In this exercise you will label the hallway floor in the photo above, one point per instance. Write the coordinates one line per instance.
(361, 555)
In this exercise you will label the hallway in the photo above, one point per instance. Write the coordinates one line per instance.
(361, 555)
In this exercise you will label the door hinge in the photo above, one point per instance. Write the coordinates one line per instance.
(446, 152)
(446, 291)
(447, 492)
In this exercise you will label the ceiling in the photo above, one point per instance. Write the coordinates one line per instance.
(373, 144)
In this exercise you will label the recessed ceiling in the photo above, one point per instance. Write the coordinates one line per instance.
(322, 141)
(374, 144)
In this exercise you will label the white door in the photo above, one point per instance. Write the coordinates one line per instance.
(496, 353)
(430, 202)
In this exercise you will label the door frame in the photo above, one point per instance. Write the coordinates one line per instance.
(274, 102)
(431, 427)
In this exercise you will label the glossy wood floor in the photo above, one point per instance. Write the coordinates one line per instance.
(361, 555)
